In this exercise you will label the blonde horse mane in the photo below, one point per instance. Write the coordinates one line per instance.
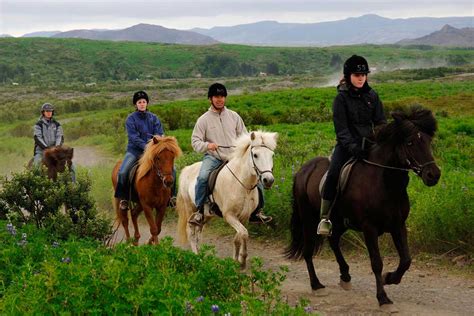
(153, 149)
(261, 138)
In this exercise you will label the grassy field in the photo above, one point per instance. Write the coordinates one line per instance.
(441, 217)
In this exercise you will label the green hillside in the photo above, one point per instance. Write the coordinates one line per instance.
(47, 60)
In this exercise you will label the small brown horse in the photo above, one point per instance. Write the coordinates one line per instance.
(153, 183)
(375, 200)
(55, 159)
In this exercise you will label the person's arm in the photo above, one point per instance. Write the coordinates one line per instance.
(379, 115)
(38, 136)
(134, 134)
(59, 137)
(157, 126)
(343, 133)
(198, 137)
(240, 128)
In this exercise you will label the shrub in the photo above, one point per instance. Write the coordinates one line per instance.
(30, 197)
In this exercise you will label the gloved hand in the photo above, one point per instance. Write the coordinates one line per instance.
(358, 152)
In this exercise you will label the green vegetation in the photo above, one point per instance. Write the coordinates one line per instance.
(43, 276)
(57, 61)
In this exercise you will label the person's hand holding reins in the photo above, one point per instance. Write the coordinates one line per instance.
(212, 146)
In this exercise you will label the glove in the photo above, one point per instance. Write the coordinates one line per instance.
(358, 152)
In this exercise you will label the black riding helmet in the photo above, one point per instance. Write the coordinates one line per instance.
(140, 95)
(216, 89)
(47, 107)
(356, 65)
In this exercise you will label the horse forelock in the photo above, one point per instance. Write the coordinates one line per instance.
(243, 143)
(416, 119)
(152, 150)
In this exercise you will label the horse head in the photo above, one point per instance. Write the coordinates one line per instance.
(411, 135)
(262, 148)
(159, 156)
(56, 158)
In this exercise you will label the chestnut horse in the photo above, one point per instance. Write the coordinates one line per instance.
(375, 200)
(153, 182)
(55, 159)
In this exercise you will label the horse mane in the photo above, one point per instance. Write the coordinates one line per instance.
(152, 149)
(245, 141)
(53, 155)
(407, 122)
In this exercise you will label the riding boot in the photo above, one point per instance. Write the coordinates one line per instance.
(257, 217)
(325, 225)
(197, 218)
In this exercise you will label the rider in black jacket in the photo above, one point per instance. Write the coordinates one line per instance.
(357, 109)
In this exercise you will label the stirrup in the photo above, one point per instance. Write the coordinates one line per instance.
(260, 218)
(324, 227)
(123, 205)
(172, 202)
(196, 219)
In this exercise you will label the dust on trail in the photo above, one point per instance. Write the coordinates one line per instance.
(426, 288)
(87, 156)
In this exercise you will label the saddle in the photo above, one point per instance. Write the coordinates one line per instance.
(343, 177)
(129, 187)
(211, 183)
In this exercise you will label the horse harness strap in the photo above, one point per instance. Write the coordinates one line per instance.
(418, 169)
(258, 171)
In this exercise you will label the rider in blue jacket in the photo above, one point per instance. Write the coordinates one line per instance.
(141, 126)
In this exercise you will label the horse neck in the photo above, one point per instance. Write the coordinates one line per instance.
(242, 167)
(384, 154)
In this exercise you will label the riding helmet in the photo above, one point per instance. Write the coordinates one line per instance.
(47, 107)
(356, 65)
(216, 89)
(140, 95)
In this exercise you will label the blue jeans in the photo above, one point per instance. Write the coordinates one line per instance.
(122, 189)
(209, 163)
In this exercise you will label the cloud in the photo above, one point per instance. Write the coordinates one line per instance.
(21, 16)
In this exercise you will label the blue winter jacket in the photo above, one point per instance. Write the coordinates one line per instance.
(141, 127)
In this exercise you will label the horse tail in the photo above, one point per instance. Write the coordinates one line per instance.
(305, 217)
(184, 212)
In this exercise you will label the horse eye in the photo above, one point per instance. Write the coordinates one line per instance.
(255, 156)
(409, 143)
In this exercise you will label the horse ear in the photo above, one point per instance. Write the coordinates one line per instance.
(398, 116)
(275, 136)
(252, 136)
(155, 140)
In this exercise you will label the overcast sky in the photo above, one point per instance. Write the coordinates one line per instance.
(18, 17)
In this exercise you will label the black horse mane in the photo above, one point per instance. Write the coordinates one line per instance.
(405, 123)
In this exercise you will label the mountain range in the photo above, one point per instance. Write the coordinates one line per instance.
(447, 36)
(371, 29)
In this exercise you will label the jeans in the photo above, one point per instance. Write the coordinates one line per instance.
(339, 158)
(209, 163)
(122, 189)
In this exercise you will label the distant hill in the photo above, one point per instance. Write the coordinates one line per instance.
(142, 33)
(41, 34)
(5, 35)
(369, 28)
(447, 36)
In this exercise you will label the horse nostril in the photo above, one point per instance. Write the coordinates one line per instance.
(265, 180)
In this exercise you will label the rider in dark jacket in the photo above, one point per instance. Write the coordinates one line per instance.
(357, 109)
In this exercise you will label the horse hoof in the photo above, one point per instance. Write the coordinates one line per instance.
(345, 285)
(321, 292)
(389, 308)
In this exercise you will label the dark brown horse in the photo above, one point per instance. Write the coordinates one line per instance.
(153, 183)
(374, 202)
(55, 159)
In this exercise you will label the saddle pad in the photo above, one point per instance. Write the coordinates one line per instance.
(343, 177)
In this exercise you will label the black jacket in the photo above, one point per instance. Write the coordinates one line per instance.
(355, 114)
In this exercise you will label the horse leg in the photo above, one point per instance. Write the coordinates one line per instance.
(372, 243)
(153, 229)
(160, 214)
(194, 236)
(240, 240)
(135, 212)
(124, 221)
(310, 239)
(399, 237)
(345, 277)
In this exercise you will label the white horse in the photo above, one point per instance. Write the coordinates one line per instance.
(235, 191)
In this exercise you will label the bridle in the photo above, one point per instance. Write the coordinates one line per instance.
(257, 170)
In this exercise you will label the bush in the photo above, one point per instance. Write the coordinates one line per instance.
(31, 198)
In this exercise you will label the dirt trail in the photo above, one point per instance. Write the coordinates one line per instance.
(425, 289)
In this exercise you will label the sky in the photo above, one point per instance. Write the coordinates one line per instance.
(18, 17)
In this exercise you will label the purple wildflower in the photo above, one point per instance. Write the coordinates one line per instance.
(308, 309)
(11, 229)
(215, 308)
(66, 260)
(199, 299)
(55, 244)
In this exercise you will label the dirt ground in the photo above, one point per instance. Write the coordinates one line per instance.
(426, 289)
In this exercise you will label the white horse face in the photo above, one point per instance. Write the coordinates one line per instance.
(262, 158)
